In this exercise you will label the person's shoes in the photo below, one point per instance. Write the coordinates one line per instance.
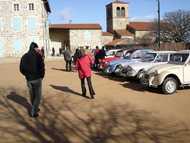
(34, 115)
(34, 112)
(92, 95)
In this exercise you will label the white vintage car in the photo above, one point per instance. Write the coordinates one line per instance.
(170, 76)
(151, 59)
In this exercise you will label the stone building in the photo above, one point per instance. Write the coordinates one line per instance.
(75, 35)
(117, 15)
(120, 29)
(21, 22)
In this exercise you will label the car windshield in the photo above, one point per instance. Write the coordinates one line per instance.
(110, 53)
(119, 54)
(149, 57)
(178, 58)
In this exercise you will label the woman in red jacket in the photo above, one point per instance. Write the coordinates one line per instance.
(83, 66)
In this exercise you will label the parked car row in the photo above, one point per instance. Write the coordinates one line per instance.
(165, 70)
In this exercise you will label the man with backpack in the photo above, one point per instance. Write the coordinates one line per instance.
(32, 67)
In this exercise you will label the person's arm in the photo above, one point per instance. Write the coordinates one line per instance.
(41, 66)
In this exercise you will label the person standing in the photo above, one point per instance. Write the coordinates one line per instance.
(68, 59)
(75, 56)
(83, 66)
(53, 51)
(33, 68)
(96, 56)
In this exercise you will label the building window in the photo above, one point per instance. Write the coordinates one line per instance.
(16, 7)
(1, 24)
(17, 46)
(32, 24)
(1, 49)
(118, 11)
(16, 24)
(31, 6)
(123, 11)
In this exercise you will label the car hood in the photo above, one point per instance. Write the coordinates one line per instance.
(110, 59)
(164, 67)
(144, 65)
(122, 61)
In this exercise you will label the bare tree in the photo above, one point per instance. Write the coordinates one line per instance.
(175, 27)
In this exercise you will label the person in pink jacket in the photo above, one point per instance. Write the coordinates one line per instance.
(83, 65)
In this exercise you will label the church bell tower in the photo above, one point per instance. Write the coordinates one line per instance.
(117, 15)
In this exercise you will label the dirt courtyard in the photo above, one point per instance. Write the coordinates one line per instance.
(122, 112)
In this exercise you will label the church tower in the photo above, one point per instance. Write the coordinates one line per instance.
(117, 15)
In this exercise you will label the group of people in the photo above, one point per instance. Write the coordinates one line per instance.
(33, 68)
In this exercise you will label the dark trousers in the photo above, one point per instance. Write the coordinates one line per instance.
(68, 65)
(91, 90)
(35, 89)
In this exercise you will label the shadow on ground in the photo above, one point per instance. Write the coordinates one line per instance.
(65, 89)
(111, 77)
(136, 86)
(64, 70)
(64, 122)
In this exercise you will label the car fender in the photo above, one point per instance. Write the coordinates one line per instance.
(163, 75)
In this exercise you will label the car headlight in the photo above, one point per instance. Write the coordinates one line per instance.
(119, 68)
(129, 68)
(155, 73)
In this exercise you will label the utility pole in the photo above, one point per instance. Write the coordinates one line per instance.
(158, 23)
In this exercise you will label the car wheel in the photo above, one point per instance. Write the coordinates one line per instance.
(169, 85)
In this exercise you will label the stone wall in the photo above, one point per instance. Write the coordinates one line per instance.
(20, 28)
(90, 38)
(106, 39)
(140, 34)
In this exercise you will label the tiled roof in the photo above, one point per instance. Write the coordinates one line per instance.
(117, 1)
(47, 6)
(124, 33)
(107, 34)
(75, 26)
(141, 26)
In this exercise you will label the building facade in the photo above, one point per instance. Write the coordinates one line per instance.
(73, 36)
(23, 22)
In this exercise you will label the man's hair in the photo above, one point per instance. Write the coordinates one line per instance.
(81, 53)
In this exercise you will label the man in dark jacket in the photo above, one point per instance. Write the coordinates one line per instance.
(32, 67)
(68, 59)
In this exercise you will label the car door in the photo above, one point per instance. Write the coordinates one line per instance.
(186, 73)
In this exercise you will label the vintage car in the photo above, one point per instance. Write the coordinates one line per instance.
(170, 76)
(151, 59)
(131, 56)
(104, 62)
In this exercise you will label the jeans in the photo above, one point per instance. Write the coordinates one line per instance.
(68, 65)
(91, 90)
(35, 90)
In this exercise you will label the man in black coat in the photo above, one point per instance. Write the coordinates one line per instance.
(32, 67)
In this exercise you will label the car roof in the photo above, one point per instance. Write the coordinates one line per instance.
(162, 52)
(184, 51)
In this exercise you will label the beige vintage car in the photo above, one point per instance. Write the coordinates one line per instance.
(169, 76)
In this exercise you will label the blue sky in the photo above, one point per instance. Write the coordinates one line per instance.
(93, 11)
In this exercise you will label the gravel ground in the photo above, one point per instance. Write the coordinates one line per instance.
(123, 111)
